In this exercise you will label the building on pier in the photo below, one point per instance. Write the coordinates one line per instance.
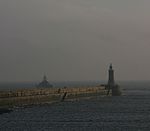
(44, 83)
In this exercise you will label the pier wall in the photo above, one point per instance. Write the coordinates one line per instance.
(47, 95)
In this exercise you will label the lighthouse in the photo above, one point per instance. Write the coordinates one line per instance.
(111, 85)
(111, 81)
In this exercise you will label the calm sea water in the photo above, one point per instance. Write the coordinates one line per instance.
(129, 112)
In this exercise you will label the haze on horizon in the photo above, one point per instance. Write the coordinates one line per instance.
(74, 40)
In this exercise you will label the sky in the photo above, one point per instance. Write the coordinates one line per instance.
(74, 40)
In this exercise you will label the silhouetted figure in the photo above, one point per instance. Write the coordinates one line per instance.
(64, 96)
(45, 83)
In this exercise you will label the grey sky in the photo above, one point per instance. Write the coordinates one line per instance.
(74, 39)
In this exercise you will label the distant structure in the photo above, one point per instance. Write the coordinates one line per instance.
(44, 83)
(111, 83)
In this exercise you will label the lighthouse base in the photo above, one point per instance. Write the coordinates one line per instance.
(116, 91)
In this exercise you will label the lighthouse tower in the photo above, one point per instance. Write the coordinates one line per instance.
(111, 85)
(111, 81)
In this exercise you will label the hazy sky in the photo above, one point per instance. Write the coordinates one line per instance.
(74, 39)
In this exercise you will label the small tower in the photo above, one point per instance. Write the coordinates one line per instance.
(45, 83)
(111, 83)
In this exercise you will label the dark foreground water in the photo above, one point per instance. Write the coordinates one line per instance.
(130, 112)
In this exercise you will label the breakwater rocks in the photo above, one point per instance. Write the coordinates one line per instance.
(24, 97)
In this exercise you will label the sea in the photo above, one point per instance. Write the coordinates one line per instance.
(129, 112)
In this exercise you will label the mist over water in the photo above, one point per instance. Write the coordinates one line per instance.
(125, 85)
